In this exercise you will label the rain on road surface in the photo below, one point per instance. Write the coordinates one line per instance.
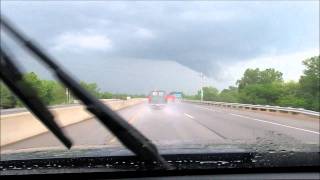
(189, 123)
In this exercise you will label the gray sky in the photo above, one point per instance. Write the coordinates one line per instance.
(135, 47)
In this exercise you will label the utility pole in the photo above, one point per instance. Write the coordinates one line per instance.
(70, 98)
(67, 94)
(202, 78)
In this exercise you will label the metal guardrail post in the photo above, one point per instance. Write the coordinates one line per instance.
(260, 107)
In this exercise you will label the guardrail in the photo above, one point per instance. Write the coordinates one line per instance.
(259, 107)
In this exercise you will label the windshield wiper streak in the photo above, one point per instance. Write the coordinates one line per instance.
(126, 133)
(13, 78)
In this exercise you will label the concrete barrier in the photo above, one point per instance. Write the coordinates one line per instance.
(18, 126)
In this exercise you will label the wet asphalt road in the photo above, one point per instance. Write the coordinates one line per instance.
(191, 123)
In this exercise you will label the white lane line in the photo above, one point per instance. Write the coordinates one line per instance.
(260, 120)
(189, 116)
(113, 140)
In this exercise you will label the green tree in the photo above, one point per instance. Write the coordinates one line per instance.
(92, 88)
(190, 97)
(55, 91)
(47, 87)
(250, 76)
(267, 87)
(291, 95)
(229, 95)
(261, 93)
(33, 80)
(51, 92)
(270, 76)
(255, 76)
(291, 101)
(209, 94)
(8, 100)
(260, 87)
(309, 82)
(106, 95)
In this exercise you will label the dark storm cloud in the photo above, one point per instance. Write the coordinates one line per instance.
(204, 36)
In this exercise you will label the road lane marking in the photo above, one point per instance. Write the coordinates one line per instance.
(204, 126)
(260, 120)
(113, 140)
(189, 116)
(133, 118)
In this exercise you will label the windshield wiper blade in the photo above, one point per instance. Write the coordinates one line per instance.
(126, 133)
(13, 78)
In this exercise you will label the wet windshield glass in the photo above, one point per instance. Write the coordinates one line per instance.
(215, 76)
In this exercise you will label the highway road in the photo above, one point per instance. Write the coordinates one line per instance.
(192, 123)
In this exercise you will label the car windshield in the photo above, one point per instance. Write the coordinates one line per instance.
(189, 76)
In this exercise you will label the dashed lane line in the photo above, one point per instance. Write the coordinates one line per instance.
(203, 125)
(189, 116)
(278, 124)
(264, 121)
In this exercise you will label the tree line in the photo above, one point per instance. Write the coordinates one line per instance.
(52, 92)
(267, 87)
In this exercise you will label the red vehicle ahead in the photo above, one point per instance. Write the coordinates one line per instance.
(171, 97)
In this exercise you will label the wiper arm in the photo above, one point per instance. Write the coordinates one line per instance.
(13, 78)
(126, 133)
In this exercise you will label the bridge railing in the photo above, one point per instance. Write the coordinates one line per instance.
(258, 107)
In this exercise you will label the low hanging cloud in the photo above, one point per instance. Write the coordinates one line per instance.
(203, 36)
(77, 42)
(144, 33)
